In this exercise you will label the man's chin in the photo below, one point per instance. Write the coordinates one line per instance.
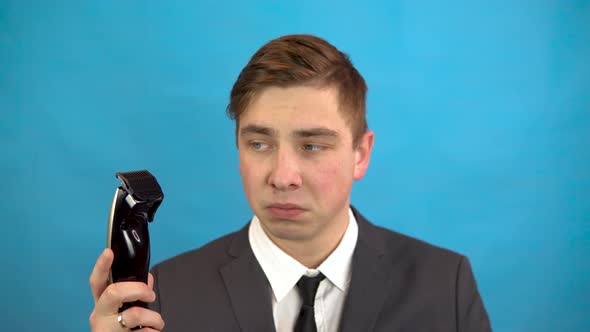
(286, 229)
(288, 235)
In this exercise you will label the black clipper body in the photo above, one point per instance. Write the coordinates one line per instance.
(134, 206)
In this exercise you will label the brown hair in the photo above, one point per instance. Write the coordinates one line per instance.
(302, 60)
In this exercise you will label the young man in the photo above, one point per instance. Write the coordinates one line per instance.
(307, 260)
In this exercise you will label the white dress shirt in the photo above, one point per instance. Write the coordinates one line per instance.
(283, 272)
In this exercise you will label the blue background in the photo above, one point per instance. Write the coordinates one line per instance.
(481, 112)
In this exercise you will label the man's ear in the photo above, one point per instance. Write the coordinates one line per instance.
(362, 154)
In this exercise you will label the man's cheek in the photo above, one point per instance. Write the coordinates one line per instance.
(248, 167)
(328, 178)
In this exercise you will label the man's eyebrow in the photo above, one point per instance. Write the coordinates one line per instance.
(257, 129)
(313, 132)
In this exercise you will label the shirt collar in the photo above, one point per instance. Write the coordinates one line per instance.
(283, 271)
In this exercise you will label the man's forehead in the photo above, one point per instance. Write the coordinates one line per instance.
(300, 98)
(301, 111)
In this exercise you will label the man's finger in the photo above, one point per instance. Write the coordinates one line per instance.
(147, 329)
(113, 297)
(100, 274)
(136, 316)
(150, 280)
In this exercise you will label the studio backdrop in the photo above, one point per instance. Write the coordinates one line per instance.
(481, 113)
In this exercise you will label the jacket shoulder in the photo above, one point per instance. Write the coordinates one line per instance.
(405, 249)
(209, 256)
(413, 247)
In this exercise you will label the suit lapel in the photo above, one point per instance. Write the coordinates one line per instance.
(247, 286)
(371, 276)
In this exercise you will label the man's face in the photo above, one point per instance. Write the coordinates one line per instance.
(298, 163)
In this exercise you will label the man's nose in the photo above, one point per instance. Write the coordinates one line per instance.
(285, 173)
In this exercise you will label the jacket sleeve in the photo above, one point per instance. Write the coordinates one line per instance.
(471, 313)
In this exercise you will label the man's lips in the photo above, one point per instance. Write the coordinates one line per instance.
(285, 206)
(285, 210)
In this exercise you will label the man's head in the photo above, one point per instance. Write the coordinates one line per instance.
(302, 60)
(302, 138)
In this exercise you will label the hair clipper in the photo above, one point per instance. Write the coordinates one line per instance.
(134, 206)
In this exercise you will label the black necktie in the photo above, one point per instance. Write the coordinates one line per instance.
(308, 287)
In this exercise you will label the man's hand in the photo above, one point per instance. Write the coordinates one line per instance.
(109, 298)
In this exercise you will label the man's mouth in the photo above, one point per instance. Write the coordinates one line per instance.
(285, 210)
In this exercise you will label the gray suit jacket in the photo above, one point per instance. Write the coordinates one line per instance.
(398, 284)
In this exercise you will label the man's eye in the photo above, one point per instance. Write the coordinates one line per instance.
(259, 146)
(312, 147)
